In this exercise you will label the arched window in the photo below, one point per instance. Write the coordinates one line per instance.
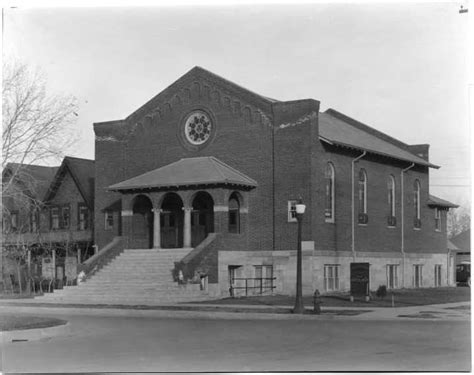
(391, 201)
(234, 214)
(330, 190)
(416, 204)
(363, 197)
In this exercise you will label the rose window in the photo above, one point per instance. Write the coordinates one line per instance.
(197, 128)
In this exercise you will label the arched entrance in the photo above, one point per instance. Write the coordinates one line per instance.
(171, 221)
(202, 217)
(142, 222)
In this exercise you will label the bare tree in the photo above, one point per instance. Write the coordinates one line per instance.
(37, 129)
(37, 125)
(459, 220)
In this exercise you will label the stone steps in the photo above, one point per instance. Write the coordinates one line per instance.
(134, 277)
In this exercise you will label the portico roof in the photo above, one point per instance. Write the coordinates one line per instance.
(187, 172)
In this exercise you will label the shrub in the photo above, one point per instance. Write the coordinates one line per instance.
(381, 291)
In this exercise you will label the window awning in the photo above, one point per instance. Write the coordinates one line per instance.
(185, 173)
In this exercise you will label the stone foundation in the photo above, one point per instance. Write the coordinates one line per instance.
(284, 269)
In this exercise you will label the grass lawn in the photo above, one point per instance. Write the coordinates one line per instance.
(401, 297)
(14, 322)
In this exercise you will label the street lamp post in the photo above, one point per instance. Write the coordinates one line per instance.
(299, 307)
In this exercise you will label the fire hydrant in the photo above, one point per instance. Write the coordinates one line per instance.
(317, 302)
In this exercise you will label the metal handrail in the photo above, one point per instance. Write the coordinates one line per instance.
(247, 287)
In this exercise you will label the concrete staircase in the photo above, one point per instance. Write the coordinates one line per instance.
(135, 277)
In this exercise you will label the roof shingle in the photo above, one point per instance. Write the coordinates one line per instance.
(187, 172)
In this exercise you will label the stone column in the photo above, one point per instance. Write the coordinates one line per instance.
(187, 227)
(157, 228)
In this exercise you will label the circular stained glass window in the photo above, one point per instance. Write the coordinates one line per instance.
(197, 128)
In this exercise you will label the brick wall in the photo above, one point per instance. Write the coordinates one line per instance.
(243, 140)
(276, 144)
(376, 235)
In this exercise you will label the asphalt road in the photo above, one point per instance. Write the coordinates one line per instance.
(112, 344)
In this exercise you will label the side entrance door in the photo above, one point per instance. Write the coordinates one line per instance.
(360, 276)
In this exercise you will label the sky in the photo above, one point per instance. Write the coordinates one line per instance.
(398, 67)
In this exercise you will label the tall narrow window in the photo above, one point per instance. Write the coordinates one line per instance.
(54, 218)
(392, 276)
(437, 219)
(391, 201)
(83, 216)
(363, 218)
(331, 277)
(330, 187)
(234, 214)
(416, 204)
(65, 217)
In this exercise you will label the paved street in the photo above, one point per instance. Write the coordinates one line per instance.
(100, 343)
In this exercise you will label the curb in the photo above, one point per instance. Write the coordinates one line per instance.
(35, 333)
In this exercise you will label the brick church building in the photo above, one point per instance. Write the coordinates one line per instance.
(213, 171)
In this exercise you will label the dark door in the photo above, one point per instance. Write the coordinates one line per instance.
(360, 279)
(169, 230)
(199, 226)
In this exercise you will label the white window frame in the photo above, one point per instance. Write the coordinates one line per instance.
(330, 175)
(364, 190)
(332, 284)
(437, 219)
(418, 284)
(106, 222)
(391, 195)
(392, 270)
(292, 211)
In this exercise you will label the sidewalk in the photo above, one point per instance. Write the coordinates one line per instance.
(459, 311)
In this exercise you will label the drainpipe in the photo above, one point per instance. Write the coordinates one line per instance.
(402, 173)
(353, 204)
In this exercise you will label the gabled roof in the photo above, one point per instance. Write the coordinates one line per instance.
(82, 172)
(187, 172)
(196, 73)
(462, 241)
(338, 129)
(438, 202)
(35, 178)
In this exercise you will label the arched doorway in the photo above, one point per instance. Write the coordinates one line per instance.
(171, 221)
(202, 217)
(142, 222)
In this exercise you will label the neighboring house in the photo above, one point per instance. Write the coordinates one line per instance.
(208, 156)
(52, 218)
(462, 243)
